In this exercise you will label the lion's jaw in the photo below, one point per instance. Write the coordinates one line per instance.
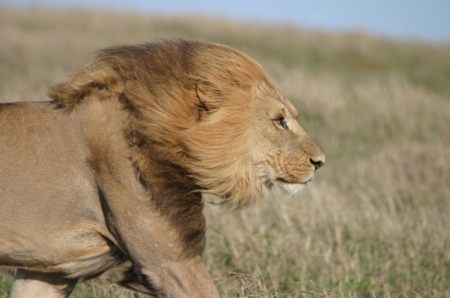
(292, 187)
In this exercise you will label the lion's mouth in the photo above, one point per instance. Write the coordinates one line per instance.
(284, 181)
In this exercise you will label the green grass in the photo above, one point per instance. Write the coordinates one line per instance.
(374, 222)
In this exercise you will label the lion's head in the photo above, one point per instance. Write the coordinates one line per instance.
(207, 112)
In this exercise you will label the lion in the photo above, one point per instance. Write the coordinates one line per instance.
(113, 168)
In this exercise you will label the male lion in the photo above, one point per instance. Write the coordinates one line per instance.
(113, 168)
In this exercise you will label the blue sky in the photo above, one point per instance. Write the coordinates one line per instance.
(427, 20)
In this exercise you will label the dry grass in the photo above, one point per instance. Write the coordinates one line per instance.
(374, 223)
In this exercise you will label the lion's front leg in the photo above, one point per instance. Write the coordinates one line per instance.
(166, 257)
(30, 284)
(159, 264)
(163, 265)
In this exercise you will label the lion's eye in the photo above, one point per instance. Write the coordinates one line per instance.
(281, 122)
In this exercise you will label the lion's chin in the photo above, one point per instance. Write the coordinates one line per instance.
(291, 189)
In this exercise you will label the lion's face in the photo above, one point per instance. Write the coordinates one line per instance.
(284, 153)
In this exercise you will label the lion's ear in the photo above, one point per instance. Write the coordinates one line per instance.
(210, 96)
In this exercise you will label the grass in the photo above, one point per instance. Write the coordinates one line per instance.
(374, 223)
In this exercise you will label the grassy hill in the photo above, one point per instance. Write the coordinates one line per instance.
(375, 221)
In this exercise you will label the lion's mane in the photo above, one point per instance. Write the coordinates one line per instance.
(188, 106)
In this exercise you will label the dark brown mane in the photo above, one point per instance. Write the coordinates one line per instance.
(169, 86)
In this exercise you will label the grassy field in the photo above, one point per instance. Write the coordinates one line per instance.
(376, 220)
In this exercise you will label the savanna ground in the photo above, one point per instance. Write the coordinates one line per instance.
(375, 222)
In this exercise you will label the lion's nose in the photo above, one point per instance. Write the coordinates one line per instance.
(317, 162)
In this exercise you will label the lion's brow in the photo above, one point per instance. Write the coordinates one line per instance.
(289, 106)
